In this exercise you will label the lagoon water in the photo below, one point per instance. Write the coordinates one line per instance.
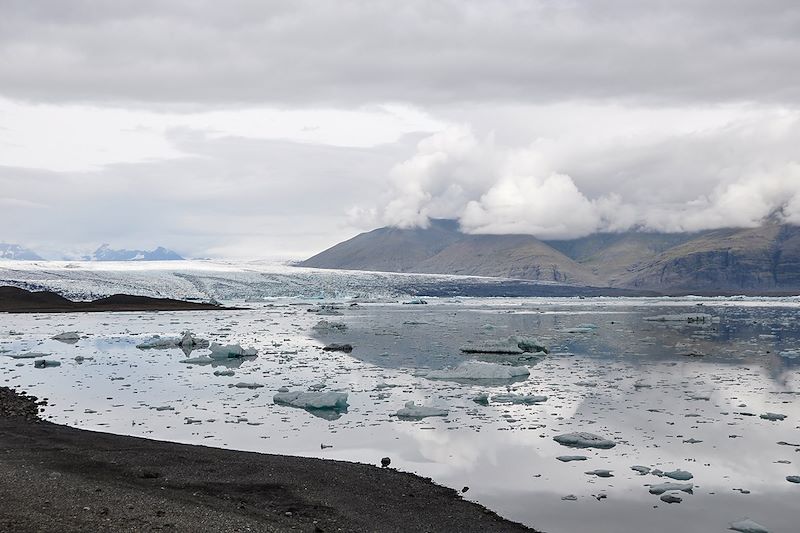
(671, 394)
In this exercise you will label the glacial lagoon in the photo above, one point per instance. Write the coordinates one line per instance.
(673, 394)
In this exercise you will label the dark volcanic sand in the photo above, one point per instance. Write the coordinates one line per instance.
(57, 478)
(16, 300)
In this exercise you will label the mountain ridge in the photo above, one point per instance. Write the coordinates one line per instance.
(765, 259)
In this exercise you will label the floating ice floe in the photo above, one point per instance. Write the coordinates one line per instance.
(793, 479)
(773, 416)
(46, 363)
(224, 372)
(661, 488)
(419, 411)
(67, 336)
(324, 325)
(582, 439)
(641, 469)
(346, 348)
(28, 355)
(245, 385)
(199, 360)
(312, 400)
(510, 346)
(600, 472)
(679, 475)
(689, 318)
(230, 351)
(479, 370)
(746, 525)
(790, 354)
(570, 458)
(670, 498)
(523, 399)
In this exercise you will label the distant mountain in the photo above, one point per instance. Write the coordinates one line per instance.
(105, 253)
(764, 259)
(15, 251)
(442, 249)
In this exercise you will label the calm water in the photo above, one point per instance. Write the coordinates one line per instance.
(627, 379)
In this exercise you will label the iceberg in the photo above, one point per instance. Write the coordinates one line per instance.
(582, 439)
(669, 486)
(325, 326)
(419, 411)
(69, 337)
(479, 370)
(312, 400)
(510, 346)
(230, 351)
(523, 399)
(46, 363)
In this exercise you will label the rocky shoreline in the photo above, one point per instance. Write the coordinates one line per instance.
(58, 478)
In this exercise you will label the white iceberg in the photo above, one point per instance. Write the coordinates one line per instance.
(582, 439)
(312, 400)
(230, 351)
(522, 399)
(324, 325)
(479, 370)
(245, 385)
(412, 410)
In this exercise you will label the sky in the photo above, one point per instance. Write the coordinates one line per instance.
(273, 129)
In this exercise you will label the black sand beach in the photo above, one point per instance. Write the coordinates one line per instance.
(57, 478)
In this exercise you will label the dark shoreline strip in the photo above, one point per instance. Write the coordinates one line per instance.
(17, 300)
(58, 478)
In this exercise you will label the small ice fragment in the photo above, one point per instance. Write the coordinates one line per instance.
(67, 336)
(689, 318)
(569, 458)
(661, 488)
(28, 355)
(679, 475)
(199, 360)
(324, 325)
(641, 469)
(582, 439)
(569, 498)
(419, 411)
(523, 399)
(46, 363)
(479, 370)
(745, 525)
(224, 372)
(773, 416)
(245, 385)
(600, 472)
(669, 498)
(346, 348)
(793, 479)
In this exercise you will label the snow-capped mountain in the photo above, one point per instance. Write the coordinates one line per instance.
(15, 251)
(106, 253)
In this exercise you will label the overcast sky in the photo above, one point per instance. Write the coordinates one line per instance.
(254, 129)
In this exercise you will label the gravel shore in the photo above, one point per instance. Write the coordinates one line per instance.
(57, 478)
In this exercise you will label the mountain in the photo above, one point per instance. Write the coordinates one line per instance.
(15, 251)
(751, 260)
(105, 253)
(443, 249)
